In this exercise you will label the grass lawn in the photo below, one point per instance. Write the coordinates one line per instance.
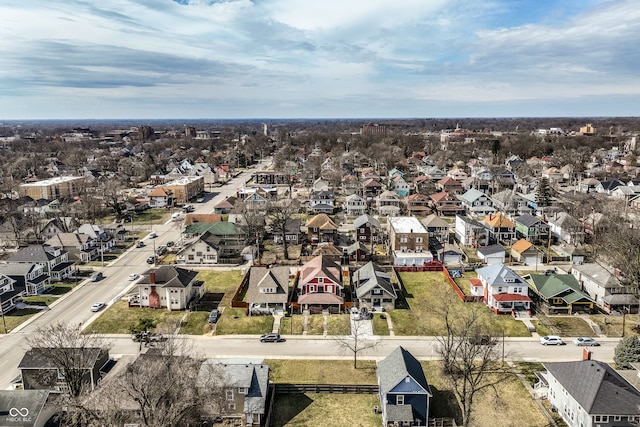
(292, 325)
(118, 318)
(569, 326)
(315, 324)
(196, 324)
(425, 293)
(325, 410)
(380, 325)
(612, 325)
(234, 321)
(338, 324)
(322, 371)
(151, 216)
(221, 282)
(15, 318)
(39, 300)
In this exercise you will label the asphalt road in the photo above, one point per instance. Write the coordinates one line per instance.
(74, 308)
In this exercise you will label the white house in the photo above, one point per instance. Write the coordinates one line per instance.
(503, 290)
(169, 287)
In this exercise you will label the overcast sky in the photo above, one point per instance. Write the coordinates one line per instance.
(318, 58)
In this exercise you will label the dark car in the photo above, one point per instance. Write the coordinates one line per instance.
(213, 316)
(271, 338)
(482, 340)
(151, 260)
(170, 243)
(140, 244)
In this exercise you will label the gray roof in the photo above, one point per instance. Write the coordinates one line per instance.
(491, 249)
(364, 219)
(528, 220)
(399, 413)
(37, 358)
(603, 275)
(32, 400)
(621, 299)
(498, 274)
(597, 387)
(33, 253)
(434, 221)
(168, 276)
(371, 275)
(275, 277)
(398, 365)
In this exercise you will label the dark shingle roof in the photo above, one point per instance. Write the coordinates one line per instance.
(396, 367)
(597, 387)
(168, 276)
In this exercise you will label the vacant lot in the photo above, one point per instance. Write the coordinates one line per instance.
(325, 410)
(612, 325)
(426, 293)
(118, 318)
(569, 326)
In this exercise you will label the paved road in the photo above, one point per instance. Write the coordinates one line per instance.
(74, 308)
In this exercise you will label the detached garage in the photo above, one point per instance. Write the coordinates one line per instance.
(525, 252)
(493, 254)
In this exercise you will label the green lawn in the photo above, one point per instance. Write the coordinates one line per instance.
(196, 323)
(380, 325)
(292, 325)
(322, 371)
(15, 318)
(315, 324)
(119, 317)
(425, 293)
(338, 324)
(568, 326)
(325, 410)
(235, 321)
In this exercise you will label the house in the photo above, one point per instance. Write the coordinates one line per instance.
(99, 234)
(355, 205)
(268, 289)
(225, 206)
(388, 204)
(558, 294)
(39, 371)
(511, 203)
(55, 260)
(357, 252)
(589, 393)
(437, 228)
(245, 386)
(221, 243)
(31, 278)
(449, 185)
(320, 185)
(501, 228)
(170, 287)
(532, 228)
(9, 293)
(446, 204)
(476, 203)
(566, 228)
(351, 185)
(434, 173)
(471, 233)
(81, 247)
(409, 241)
(525, 252)
(417, 204)
(603, 285)
(588, 185)
(322, 202)
(257, 203)
(404, 391)
(368, 229)
(374, 288)
(371, 188)
(320, 286)
(293, 235)
(160, 198)
(492, 254)
(503, 290)
(58, 225)
(321, 229)
(400, 186)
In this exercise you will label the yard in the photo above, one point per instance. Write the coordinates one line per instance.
(513, 406)
(425, 293)
(118, 318)
(612, 325)
(569, 326)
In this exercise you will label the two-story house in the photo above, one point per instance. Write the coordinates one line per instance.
(368, 229)
(320, 286)
(404, 391)
(566, 228)
(558, 294)
(470, 232)
(9, 293)
(371, 188)
(409, 241)
(603, 285)
(160, 198)
(374, 288)
(476, 203)
(355, 205)
(417, 204)
(55, 260)
(503, 290)
(268, 289)
(446, 204)
(501, 229)
(321, 229)
(400, 186)
(532, 228)
(388, 204)
(81, 247)
(437, 227)
(170, 287)
(589, 393)
(30, 278)
(511, 203)
(322, 202)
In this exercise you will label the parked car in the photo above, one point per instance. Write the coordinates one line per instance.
(146, 336)
(161, 250)
(96, 277)
(170, 243)
(271, 338)
(153, 235)
(551, 340)
(140, 244)
(586, 341)
(151, 260)
(213, 316)
(200, 200)
(97, 306)
(133, 276)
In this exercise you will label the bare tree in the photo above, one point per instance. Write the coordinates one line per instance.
(471, 361)
(359, 340)
(280, 217)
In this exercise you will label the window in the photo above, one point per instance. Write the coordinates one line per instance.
(191, 257)
(403, 249)
(320, 279)
(601, 418)
(418, 239)
(231, 406)
(229, 394)
(403, 240)
(617, 418)
(242, 390)
(400, 399)
(362, 230)
(418, 248)
(320, 288)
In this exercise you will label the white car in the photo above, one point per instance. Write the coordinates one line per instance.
(551, 340)
(153, 235)
(586, 341)
(133, 276)
(97, 306)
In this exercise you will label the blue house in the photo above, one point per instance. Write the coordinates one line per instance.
(404, 390)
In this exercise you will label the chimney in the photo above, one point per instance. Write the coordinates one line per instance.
(586, 354)
(152, 277)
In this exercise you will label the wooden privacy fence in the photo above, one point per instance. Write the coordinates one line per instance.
(326, 388)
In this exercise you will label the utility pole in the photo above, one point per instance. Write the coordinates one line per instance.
(4, 322)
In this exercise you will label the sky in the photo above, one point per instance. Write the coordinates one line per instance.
(155, 59)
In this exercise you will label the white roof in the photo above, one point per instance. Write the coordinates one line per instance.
(406, 224)
(52, 181)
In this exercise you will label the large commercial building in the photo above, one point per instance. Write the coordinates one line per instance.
(185, 189)
(53, 188)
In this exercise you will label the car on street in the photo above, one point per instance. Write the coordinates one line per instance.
(140, 244)
(200, 200)
(151, 260)
(213, 316)
(133, 276)
(153, 235)
(551, 340)
(586, 341)
(97, 306)
(273, 337)
(482, 340)
(147, 337)
(96, 277)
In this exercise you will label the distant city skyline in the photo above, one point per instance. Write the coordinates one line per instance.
(243, 59)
